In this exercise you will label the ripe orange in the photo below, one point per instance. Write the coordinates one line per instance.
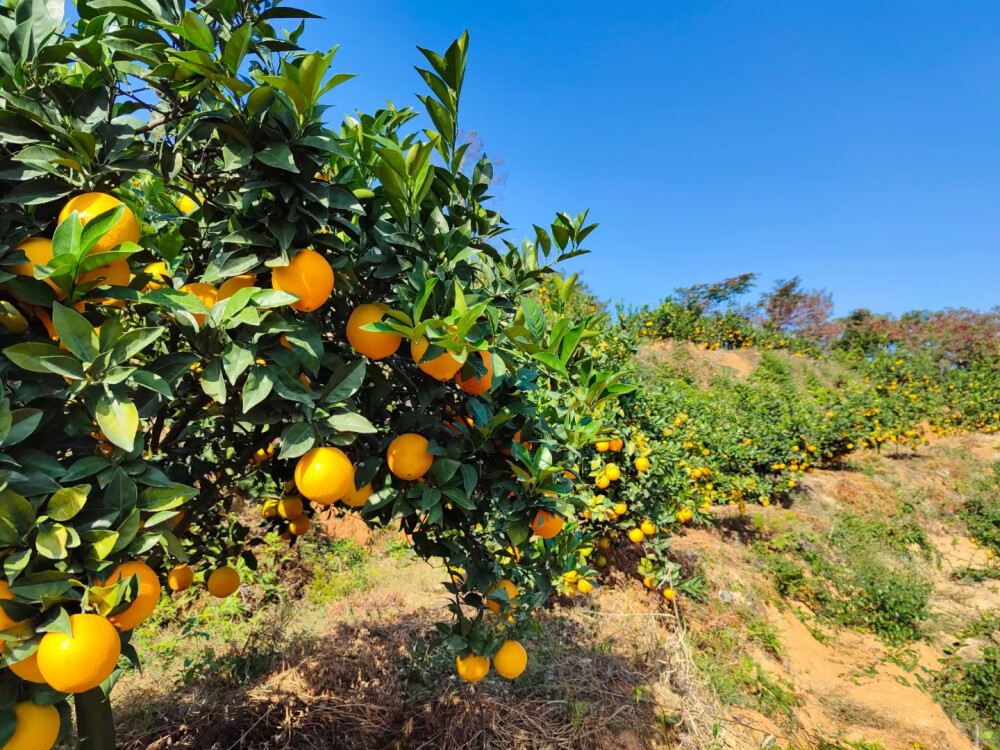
(616, 444)
(546, 524)
(5, 593)
(290, 507)
(648, 528)
(36, 727)
(207, 293)
(442, 367)
(180, 577)
(116, 273)
(299, 526)
(621, 509)
(223, 582)
(356, 498)
(408, 457)
(39, 252)
(603, 446)
(186, 204)
(372, 344)
(27, 669)
(232, 285)
(476, 386)
(670, 594)
(82, 661)
(684, 515)
(92, 205)
(308, 276)
(642, 464)
(270, 507)
(602, 482)
(510, 660)
(146, 597)
(472, 668)
(636, 536)
(160, 275)
(613, 472)
(507, 585)
(324, 475)
(648, 582)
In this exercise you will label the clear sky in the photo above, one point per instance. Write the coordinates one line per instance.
(855, 144)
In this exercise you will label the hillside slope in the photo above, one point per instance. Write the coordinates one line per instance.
(340, 658)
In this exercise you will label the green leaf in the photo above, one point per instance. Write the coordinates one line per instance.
(85, 467)
(23, 423)
(119, 419)
(19, 516)
(45, 358)
(212, 382)
(296, 439)
(235, 360)
(102, 541)
(257, 388)
(345, 382)
(127, 530)
(52, 540)
(98, 226)
(196, 31)
(67, 502)
(236, 47)
(551, 361)
(75, 332)
(350, 422)
(166, 498)
(120, 494)
(279, 156)
(134, 342)
(67, 238)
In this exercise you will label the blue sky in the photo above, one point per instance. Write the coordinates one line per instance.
(854, 144)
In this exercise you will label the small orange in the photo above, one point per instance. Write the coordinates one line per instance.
(233, 284)
(507, 585)
(356, 498)
(180, 577)
(621, 509)
(669, 594)
(207, 293)
(146, 596)
(308, 276)
(82, 661)
(299, 526)
(472, 668)
(290, 507)
(546, 524)
(324, 475)
(92, 205)
(27, 669)
(648, 528)
(474, 385)
(636, 535)
(603, 446)
(642, 464)
(223, 582)
(408, 457)
(684, 515)
(159, 273)
(616, 444)
(442, 367)
(372, 344)
(39, 252)
(35, 727)
(510, 660)
(613, 472)
(186, 204)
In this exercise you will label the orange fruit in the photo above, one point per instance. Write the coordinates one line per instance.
(408, 457)
(146, 597)
(684, 515)
(5, 593)
(472, 668)
(603, 446)
(299, 526)
(642, 464)
(507, 585)
(510, 660)
(372, 344)
(356, 498)
(36, 727)
(616, 444)
(160, 275)
(223, 582)
(648, 582)
(670, 594)
(476, 386)
(180, 577)
(602, 482)
(27, 669)
(186, 204)
(621, 509)
(612, 472)
(546, 524)
(116, 273)
(290, 507)
(308, 276)
(324, 475)
(636, 536)
(585, 586)
(206, 293)
(92, 205)
(648, 528)
(233, 284)
(39, 252)
(270, 507)
(82, 661)
(442, 367)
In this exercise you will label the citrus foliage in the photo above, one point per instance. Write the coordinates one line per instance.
(205, 287)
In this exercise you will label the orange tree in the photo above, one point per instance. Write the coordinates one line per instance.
(206, 289)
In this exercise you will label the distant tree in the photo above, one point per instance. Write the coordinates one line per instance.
(708, 298)
(791, 309)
